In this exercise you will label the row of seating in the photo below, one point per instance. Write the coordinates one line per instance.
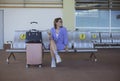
(106, 39)
(19, 44)
(77, 42)
(77, 39)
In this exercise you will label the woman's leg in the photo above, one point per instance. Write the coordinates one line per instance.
(52, 48)
(54, 53)
(53, 63)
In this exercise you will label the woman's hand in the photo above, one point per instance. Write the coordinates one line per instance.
(49, 34)
(66, 48)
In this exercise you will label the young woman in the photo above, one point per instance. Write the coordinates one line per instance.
(58, 41)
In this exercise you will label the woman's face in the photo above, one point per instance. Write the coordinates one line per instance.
(59, 23)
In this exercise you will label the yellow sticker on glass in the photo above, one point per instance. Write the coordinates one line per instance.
(22, 36)
(82, 36)
(94, 36)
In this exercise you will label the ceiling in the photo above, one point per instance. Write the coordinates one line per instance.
(31, 4)
(97, 4)
(22, 1)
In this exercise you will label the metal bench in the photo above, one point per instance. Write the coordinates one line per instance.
(83, 44)
(18, 45)
(11, 52)
(74, 44)
(108, 40)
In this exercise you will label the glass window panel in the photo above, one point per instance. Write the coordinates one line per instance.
(115, 18)
(92, 18)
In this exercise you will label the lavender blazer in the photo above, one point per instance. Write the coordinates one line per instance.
(62, 39)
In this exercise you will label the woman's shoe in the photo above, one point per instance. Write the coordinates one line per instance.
(58, 59)
(53, 64)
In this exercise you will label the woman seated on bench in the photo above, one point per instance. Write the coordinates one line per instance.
(58, 41)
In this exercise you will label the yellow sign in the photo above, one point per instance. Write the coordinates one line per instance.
(22, 36)
(94, 36)
(82, 36)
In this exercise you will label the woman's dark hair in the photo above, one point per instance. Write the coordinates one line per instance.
(56, 20)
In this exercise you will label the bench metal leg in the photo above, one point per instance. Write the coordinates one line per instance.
(93, 57)
(11, 54)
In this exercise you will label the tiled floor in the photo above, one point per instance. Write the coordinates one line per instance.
(75, 67)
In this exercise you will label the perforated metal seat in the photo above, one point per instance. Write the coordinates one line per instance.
(83, 44)
(95, 37)
(106, 38)
(19, 40)
(116, 37)
(83, 41)
(45, 39)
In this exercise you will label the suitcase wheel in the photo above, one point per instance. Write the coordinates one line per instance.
(27, 66)
(40, 66)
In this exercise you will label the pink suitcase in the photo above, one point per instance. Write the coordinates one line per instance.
(34, 54)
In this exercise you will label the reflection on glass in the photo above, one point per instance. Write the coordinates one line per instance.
(92, 18)
(98, 20)
(115, 18)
